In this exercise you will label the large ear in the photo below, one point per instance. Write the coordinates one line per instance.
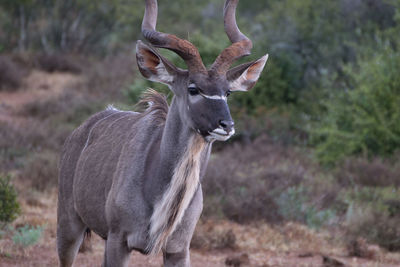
(245, 76)
(153, 66)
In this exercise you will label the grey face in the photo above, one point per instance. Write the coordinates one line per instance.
(207, 107)
(201, 96)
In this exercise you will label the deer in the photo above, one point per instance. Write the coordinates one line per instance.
(134, 178)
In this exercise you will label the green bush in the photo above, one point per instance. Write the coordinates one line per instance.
(295, 205)
(9, 206)
(273, 89)
(363, 120)
(27, 235)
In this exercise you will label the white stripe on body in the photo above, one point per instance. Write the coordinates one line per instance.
(110, 107)
(94, 126)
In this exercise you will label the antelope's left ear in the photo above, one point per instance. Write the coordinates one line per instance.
(153, 66)
(245, 76)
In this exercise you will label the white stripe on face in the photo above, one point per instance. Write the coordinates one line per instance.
(214, 97)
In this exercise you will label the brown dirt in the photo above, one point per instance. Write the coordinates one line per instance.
(287, 245)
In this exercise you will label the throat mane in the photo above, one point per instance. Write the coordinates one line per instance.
(169, 210)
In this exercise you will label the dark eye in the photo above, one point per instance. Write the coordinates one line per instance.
(228, 93)
(193, 91)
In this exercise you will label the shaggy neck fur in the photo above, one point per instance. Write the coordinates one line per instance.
(169, 210)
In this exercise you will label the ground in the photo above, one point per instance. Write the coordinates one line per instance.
(216, 242)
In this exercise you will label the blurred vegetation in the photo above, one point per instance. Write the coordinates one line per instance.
(365, 119)
(27, 235)
(9, 206)
(318, 137)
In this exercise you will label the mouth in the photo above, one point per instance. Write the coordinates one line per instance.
(219, 134)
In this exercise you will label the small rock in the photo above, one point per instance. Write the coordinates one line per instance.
(238, 260)
(361, 248)
(306, 255)
(331, 262)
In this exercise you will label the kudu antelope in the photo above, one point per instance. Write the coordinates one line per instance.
(135, 178)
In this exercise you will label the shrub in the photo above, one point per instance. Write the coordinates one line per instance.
(135, 90)
(295, 205)
(27, 235)
(17, 141)
(376, 226)
(363, 120)
(240, 187)
(273, 123)
(214, 240)
(373, 213)
(107, 78)
(41, 171)
(10, 74)
(271, 91)
(212, 235)
(263, 181)
(9, 206)
(376, 172)
(57, 62)
(65, 102)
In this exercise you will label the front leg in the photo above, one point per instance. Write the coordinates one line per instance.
(181, 259)
(116, 252)
(176, 252)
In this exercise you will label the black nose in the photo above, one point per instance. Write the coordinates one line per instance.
(227, 125)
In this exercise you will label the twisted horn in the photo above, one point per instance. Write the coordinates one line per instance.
(241, 45)
(185, 49)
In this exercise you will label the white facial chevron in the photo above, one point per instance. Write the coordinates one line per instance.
(214, 97)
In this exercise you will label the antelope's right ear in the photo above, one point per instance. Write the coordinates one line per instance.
(153, 66)
(245, 76)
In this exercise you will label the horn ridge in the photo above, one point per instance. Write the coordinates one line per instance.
(185, 49)
(241, 44)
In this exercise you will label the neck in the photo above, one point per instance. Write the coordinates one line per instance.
(175, 137)
(181, 156)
